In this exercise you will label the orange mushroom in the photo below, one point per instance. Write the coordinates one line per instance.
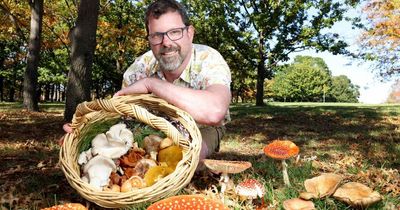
(282, 150)
(67, 206)
(188, 202)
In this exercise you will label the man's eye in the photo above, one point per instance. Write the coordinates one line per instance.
(175, 32)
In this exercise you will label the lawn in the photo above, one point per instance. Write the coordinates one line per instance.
(359, 142)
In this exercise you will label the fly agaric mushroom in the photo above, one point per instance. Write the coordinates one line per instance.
(187, 202)
(357, 195)
(67, 206)
(298, 204)
(282, 150)
(250, 189)
(226, 167)
(321, 186)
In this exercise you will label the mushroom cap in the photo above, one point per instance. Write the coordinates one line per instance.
(281, 149)
(188, 202)
(226, 166)
(298, 204)
(250, 188)
(321, 186)
(357, 194)
(67, 206)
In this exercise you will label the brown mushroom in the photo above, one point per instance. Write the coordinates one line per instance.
(185, 202)
(321, 186)
(298, 204)
(251, 189)
(282, 150)
(226, 167)
(357, 195)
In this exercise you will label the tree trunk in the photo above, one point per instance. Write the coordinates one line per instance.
(260, 72)
(83, 39)
(1, 89)
(31, 72)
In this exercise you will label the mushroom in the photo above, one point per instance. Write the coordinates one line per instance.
(226, 167)
(298, 204)
(74, 206)
(133, 183)
(151, 144)
(251, 189)
(357, 195)
(321, 186)
(166, 142)
(98, 170)
(115, 143)
(184, 202)
(85, 156)
(282, 150)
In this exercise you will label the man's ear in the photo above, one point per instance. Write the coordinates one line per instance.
(191, 31)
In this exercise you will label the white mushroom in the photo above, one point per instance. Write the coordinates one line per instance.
(97, 171)
(115, 143)
(321, 186)
(85, 156)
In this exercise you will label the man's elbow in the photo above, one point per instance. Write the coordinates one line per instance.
(215, 117)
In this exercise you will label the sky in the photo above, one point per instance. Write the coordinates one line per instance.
(372, 90)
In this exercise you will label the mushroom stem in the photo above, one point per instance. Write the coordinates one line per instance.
(285, 174)
(223, 182)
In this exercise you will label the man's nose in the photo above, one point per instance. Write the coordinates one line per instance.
(166, 40)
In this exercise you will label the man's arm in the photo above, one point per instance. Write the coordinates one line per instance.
(207, 106)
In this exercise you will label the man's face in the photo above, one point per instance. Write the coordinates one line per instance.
(170, 54)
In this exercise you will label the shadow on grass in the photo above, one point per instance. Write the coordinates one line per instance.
(373, 128)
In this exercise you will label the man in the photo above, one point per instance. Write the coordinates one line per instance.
(192, 77)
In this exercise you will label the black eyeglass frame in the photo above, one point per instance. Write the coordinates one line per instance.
(162, 34)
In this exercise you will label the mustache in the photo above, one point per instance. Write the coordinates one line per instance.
(169, 49)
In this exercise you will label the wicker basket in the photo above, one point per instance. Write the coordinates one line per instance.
(136, 106)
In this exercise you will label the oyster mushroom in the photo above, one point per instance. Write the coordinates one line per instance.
(357, 195)
(282, 150)
(298, 204)
(115, 143)
(321, 186)
(251, 189)
(226, 167)
(98, 170)
(184, 202)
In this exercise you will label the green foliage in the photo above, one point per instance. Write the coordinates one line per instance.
(306, 79)
(93, 130)
(342, 90)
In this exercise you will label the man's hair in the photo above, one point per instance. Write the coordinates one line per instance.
(160, 7)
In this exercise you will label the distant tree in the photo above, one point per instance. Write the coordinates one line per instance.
(305, 79)
(83, 38)
(380, 42)
(31, 72)
(342, 90)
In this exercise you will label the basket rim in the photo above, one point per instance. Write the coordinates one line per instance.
(88, 112)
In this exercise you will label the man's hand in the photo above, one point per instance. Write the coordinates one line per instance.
(68, 129)
(140, 86)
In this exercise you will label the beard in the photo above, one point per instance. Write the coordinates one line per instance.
(170, 63)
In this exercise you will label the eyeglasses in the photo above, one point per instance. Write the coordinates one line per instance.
(173, 34)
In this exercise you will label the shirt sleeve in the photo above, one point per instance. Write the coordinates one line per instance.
(215, 70)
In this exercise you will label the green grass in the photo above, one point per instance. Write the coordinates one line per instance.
(360, 142)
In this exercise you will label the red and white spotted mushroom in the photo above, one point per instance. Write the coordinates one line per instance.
(188, 202)
(282, 150)
(250, 189)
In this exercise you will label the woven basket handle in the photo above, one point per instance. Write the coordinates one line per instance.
(127, 105)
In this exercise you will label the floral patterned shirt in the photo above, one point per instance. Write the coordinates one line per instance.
(206, 67)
